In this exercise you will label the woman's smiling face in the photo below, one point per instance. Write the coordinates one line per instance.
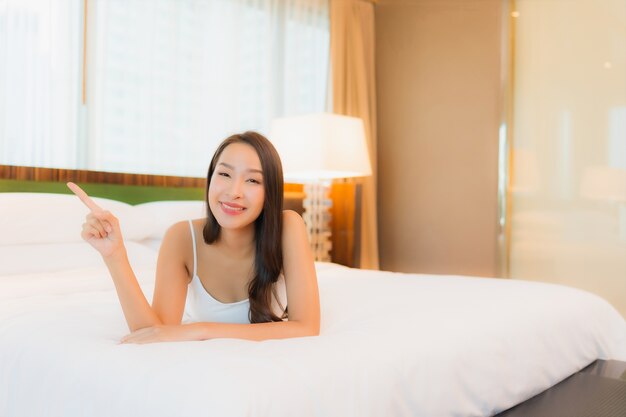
(236, 191)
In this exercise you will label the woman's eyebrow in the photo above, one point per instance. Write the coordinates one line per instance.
(229, 166)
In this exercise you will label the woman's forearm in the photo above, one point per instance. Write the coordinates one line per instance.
(256, 331)
(204, 331)
(137, 310)
(102, 231)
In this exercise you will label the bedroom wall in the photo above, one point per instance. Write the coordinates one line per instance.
(438, 72)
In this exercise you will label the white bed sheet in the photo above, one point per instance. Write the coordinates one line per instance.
(62, 257)
(390, 345)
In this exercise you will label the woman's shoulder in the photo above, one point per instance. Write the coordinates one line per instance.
(177, 241)
(293, 225)
(180, 230)
(292, 219)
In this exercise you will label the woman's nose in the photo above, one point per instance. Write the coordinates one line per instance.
(235, 188)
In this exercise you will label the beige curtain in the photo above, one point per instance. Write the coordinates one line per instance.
(354, 94)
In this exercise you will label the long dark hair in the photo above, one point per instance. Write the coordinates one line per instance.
(268, 227)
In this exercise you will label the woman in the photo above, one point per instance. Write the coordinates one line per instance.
(249, 252)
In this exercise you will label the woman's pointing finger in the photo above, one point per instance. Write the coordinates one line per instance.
(91, 205)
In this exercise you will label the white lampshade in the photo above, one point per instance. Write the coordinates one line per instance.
(321, 147)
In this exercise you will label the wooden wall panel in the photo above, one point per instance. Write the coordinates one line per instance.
(344, 222)
(64, 175)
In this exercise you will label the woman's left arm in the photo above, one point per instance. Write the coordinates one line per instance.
(302, 297)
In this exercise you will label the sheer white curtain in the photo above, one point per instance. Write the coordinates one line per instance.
(171, 79)
(167, 79)
(40, 63)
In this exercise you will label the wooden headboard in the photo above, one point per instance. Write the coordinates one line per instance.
(140, 188)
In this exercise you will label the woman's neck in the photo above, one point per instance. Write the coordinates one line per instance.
(237, 243)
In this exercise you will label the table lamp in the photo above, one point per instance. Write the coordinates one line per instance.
(315, 149)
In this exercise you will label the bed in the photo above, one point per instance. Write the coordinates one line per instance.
(391, 344)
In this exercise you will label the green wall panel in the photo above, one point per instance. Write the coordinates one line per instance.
(131, 194)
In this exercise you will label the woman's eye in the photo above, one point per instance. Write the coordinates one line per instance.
(223, 174)
(252, 180)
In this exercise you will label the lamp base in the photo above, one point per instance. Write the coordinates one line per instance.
(317, 204)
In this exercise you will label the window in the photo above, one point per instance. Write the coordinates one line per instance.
(569, 155)
(40, 63)
(167, 80)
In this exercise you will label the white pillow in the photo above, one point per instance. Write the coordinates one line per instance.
(166, 213)
(27, 218)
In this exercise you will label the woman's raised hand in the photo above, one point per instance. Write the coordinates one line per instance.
(101, 228)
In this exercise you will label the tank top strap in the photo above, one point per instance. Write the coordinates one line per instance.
(195, 256)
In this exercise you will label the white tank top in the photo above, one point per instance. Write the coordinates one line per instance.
(203, 307)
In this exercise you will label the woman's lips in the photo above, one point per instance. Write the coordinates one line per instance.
(232, 208)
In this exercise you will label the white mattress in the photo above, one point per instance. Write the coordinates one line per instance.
(390, 345)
